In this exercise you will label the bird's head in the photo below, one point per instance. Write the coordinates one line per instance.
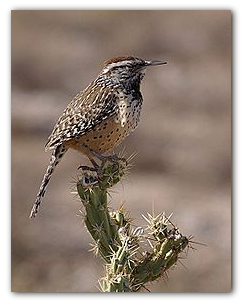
(125, 70)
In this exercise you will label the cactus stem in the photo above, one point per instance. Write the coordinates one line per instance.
(133, 256)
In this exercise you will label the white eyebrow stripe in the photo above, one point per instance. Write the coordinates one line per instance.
(115, 64)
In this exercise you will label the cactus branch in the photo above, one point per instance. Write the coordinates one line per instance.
(133, 257)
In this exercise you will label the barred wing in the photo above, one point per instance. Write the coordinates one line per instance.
(87, 109)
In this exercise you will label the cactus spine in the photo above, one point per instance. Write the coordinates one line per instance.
(133, 257)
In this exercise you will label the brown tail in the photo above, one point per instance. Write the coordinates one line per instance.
(56, 156)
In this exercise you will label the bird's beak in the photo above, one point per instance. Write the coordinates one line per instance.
(154, 62)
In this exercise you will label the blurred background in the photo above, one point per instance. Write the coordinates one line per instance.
(183, 141)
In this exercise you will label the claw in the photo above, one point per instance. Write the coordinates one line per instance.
(95, 167)
(110, 157)
(98, 168)
(87, 168)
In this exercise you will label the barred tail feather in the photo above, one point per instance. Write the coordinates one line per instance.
(56, 156)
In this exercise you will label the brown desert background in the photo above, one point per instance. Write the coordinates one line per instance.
(183, 141)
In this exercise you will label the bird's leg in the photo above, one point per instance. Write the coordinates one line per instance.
(86, 168)
(110, 157)
(98, 168)
(95, 167)
(86, 151)
(95, 164)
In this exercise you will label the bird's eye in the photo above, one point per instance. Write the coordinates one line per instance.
(120, 66)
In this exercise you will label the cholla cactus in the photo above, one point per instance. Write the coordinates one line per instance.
(133, 257)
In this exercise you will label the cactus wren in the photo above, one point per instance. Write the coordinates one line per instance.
(99, 117)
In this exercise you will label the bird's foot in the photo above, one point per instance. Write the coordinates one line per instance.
(95, 167)
(86, 168)
(99, 169)
(113, 158)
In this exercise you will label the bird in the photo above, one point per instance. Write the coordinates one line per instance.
(100, 117)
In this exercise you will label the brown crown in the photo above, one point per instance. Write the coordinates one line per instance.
(118, 59)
